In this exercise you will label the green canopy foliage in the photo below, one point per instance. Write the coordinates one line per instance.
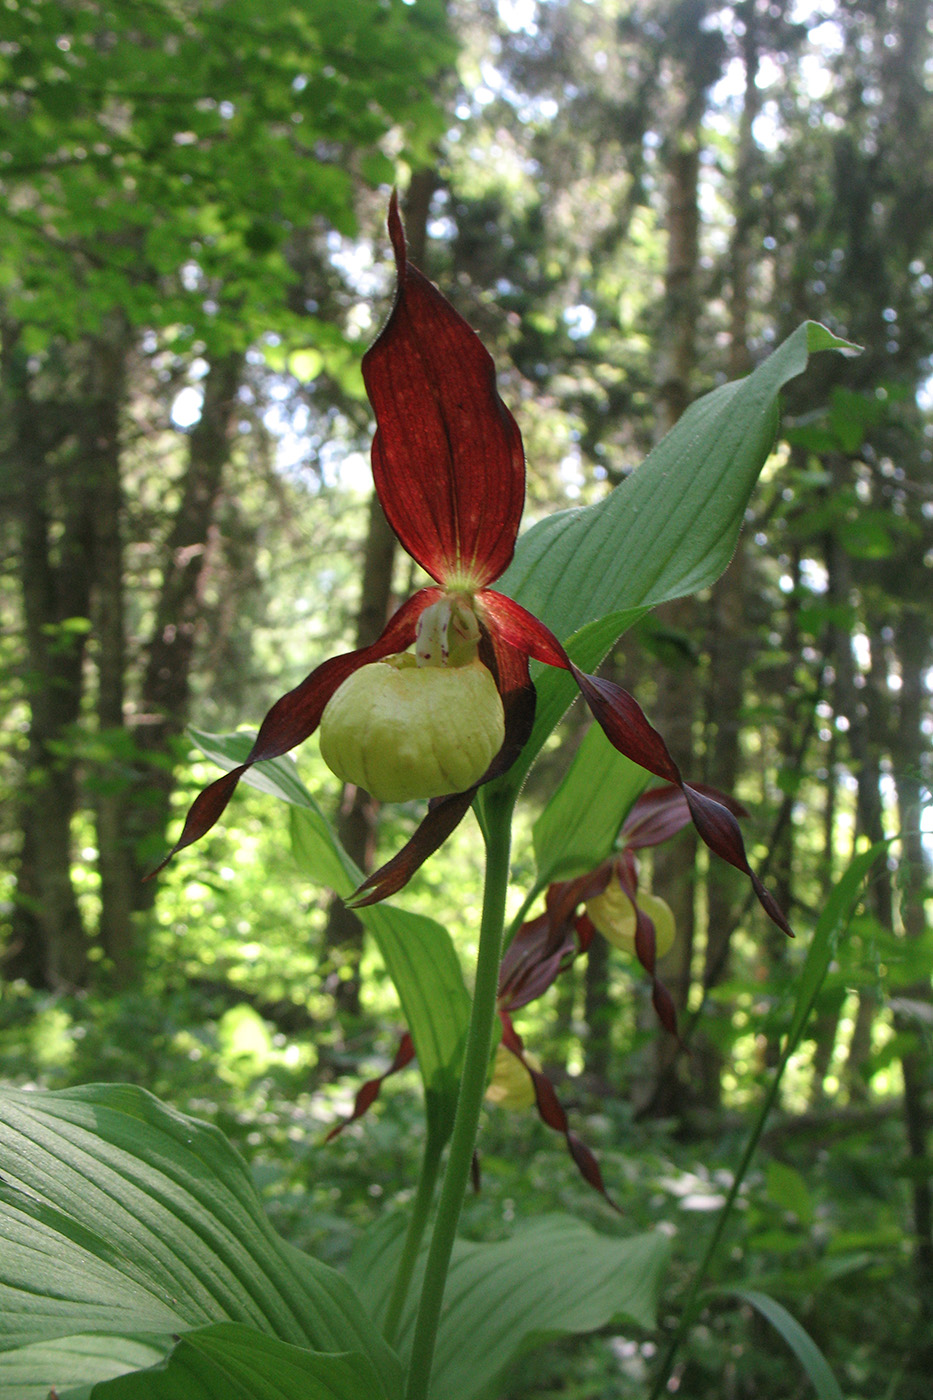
(157, 158)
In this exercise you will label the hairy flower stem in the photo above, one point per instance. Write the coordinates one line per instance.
(417, 1224)
(469, 1103)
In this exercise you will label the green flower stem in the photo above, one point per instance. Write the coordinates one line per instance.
(831, 925)
(417, 1224)
(690, 1308)
(469, 1103)
(537, 889)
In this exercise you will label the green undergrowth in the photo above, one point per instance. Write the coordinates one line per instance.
(819, 1225)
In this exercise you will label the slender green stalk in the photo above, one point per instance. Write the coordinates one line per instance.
(830, 927)
(417, 1224)
(690, 1306)
(469, 1103)
(537, 888)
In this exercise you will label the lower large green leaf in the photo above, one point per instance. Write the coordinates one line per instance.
(67, 1363)
(421, 960)
(230, 1362)
(555, 1277)
(121, 1215)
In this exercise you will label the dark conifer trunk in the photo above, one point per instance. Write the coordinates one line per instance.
(165, 695)
(910, 752)
(46, 478)
(108, 781)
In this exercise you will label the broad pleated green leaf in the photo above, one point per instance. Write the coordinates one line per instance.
(797, 1338)
(231, 1362)
(668, 530)
(70, 1363)
(121, 1215)
(555, 1277)
(418, 952)
(671, 527)
(425, 970)
(577, 828)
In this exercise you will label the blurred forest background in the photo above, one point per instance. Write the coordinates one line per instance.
(631, 201)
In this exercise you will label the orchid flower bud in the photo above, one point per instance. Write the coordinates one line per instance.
(511, 1085)
(613, 915)
(403, 731)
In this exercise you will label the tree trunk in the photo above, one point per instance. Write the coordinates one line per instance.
(829, 1007)
(728, 652)
(166, 688)
(678, 342)
(109, 785)
(727, 640)
(63, 454)
(909, 753)
(49, 943)
(865, 733)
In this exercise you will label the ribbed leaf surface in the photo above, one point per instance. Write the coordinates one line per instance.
(71, 1362)
(119, 1214)
(553, 1278)
(231, 1362)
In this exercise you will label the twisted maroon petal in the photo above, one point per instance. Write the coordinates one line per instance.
(627, 728)
(520, 629)
(447, 456)
(444, 816)
(664, 1008)
(551, 1111)
(719, 829)
(660, 813)
(296, 715)
(368, 1093)
(533, 961)
(546, 946)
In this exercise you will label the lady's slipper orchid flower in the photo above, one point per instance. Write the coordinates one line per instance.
(449, 470)
(605, 900)
(548, 945)
(615, 915)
